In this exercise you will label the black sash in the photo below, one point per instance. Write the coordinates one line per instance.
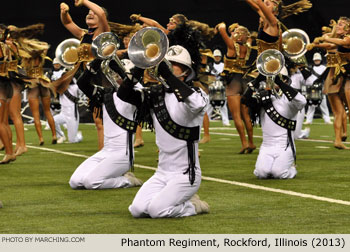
(121, 121)
(188, 134)
(74, 100)
(280, 120)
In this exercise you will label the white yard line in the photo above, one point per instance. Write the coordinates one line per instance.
(304, 140)
(251, 186)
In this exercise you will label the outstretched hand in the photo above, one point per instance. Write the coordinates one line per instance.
(135, 17)
(78, 3)
(64, 7)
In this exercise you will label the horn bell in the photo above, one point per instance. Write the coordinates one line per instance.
(294, 43)
(105, 45)
(270, 62)
(67, 52)
(148, 47)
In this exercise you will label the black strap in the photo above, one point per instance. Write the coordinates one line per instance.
(280, 120)
(123, 122)
(314, 73)
(75, 100)
(276, 117)
(291, 142)
(188, 134)
(167, 123)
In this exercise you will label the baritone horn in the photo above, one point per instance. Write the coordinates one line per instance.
(67, 52)
(148, 47)
(104, 47)
(270, 63)
(294, 43)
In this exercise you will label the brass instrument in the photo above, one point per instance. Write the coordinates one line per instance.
(104, 47)
(270, 63)
(147, 48)
(295, 43)
(67, 52)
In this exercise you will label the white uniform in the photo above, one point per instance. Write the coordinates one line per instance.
(106, 168)
(323, 106)
(69, 117)
(276, 156)
(297, 82)
(167, 192)
(219, 68)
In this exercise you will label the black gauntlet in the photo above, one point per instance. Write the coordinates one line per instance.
(289, 92)
(181, 89)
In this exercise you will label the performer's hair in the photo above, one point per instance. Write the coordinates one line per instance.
(32, 48)
(123, 30)
(105, 11)
(26, 32)
(347, 20)
(206, 31)
(234, 26)
(293, 9)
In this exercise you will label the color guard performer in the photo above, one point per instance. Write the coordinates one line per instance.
(337, 83)
(6, 92)
(97, 23)
(235, 70)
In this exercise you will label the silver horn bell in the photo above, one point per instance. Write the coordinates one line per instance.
(294, 43)
(148, 47)
(270, 63)
(104, 47)
(67, 52)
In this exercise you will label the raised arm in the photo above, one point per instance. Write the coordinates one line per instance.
(228, 41)
(337, 41)
(253, 5)
(67, 21)
(98, 11)
(267, 15)
(148, 22)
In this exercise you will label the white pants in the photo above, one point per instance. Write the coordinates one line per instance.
(223, 112)
(67, 117)
(299, 126)
(165, 195)
(324, 110)
(276, 162)
(103, 170)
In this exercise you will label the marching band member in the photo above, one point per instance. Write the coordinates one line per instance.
(109, 167)
(277, 113)
(316, 71)
(337, 83)
(297, 81)
(97, 23)
(205, 79)
(238, 53)
(69, 115)
(217, 69)
(177, 111)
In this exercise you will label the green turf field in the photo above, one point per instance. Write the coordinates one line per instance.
(37, 198)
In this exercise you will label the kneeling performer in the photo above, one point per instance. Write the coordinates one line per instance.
(277, 114)
(177, 111)
(109, 167)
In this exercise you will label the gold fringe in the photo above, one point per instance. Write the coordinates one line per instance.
(295, 8)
